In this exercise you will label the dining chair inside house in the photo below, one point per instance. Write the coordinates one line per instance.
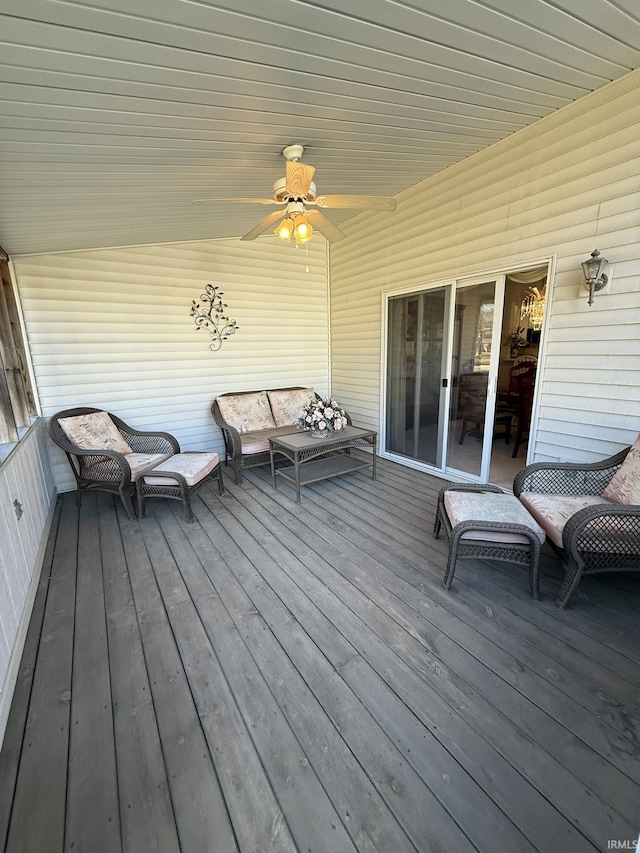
(518, 399)
(472, 402)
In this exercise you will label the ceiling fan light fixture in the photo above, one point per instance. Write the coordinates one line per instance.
(285, 229)
(302, 229)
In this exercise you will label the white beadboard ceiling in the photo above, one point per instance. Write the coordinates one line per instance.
(115, 114)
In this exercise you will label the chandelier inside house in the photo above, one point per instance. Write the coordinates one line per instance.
(532, 308)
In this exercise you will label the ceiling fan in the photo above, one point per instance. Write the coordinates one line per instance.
(294, 194)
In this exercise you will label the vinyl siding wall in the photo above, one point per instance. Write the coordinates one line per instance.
(111, 329)
(25, 477)
(559, 189)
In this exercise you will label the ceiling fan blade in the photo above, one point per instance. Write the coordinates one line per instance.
(269, 219)
(299, 177)
(358, 202)
(236, 201)
(325, 226)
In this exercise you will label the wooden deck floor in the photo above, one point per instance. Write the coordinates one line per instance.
(276, 677)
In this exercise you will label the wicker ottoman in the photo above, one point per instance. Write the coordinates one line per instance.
(179, 477)
(483, 522)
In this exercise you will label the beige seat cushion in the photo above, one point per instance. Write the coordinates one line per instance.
(95, 431)
(553, 511)
(258, 442)
(192, 466)
(287, 405)
(490, 506)
(247, 412)
(141, 462)
(624, 487)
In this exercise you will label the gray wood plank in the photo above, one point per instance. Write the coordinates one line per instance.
(146, 811)
(370, 822)
(458, 738)
(624, 641)
(616, 751)
(257, 818)
(418, 541)
(546, 695)
(597, 688)
(603, 698)
(200, 811)
(38, 815)
(604, 692)
(569, 630)
(548, 775)
(422, 815)
(271, 657)
(92, 785)
(290, 772)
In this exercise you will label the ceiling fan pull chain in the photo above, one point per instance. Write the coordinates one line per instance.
(306, 253)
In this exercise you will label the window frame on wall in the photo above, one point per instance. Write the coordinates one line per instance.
(17, 398)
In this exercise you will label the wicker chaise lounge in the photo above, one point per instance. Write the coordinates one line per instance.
(589, 511)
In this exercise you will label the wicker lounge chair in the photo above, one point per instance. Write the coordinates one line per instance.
(591, 532)
(106, 469)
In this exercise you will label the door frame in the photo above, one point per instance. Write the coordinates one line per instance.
(491, 273)
(492, 379)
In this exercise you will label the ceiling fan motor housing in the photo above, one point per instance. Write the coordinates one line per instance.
(280, 193)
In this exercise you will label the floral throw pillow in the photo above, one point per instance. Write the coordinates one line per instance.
(95, 431)
(246, 412)
(286, 405)
(624, 487)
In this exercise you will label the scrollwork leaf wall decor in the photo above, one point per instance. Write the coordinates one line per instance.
(211, 315)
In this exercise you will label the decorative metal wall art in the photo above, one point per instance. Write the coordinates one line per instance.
(213, 318)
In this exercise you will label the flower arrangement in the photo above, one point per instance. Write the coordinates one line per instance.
(323, 416)
(517, 338)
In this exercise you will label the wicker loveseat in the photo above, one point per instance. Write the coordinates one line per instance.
(249, 418)
(590, 513)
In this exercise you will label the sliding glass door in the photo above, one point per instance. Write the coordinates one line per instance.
(414, 369)
(442, 360)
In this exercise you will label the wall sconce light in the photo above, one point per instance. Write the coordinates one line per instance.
(594, 274)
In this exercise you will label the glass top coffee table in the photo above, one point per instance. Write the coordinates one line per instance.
(315, 459)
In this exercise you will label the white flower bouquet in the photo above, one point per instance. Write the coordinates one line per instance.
(517, 338)
(323, 416)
